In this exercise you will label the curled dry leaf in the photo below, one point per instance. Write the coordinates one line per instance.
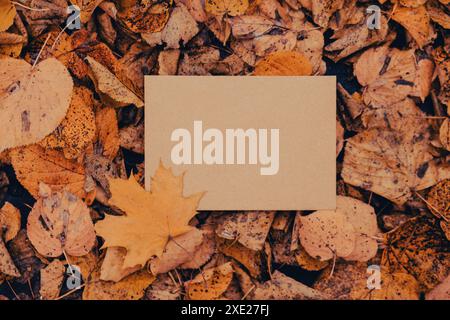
(281, 287)
(284, 63)
(390, 75)
(7, 14)
(34, 164)
(77, 130)
(60, 223)
(248, 228)
(11, 44)
(52, 277)
(108, 139)
(112, 91)
(438, 13)
(417, 22)
(33, 101)
(151, 218)
(211, 283)
(9, 222)
(327, 234)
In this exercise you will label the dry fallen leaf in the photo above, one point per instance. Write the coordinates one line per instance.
(87, 8)
(440, 292)
(248, 228)
(283, 63)
(107, 132)
(60, 223)
(180, 27)
(112, 91)
(9, 221)
(11, 44)
(417, 22)
(144, 16)
(33, 101)
(151, 219)
(210, 284)
(226, 7)
(7, 266)
(34, 164)
(444, 134)
(77, 130)
(327, 234)
(52, 278)
(7, 14)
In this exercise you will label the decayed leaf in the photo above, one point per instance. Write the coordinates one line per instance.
(281, 287)
(283, 63)
(417, 22)
(131, 288)
(151, 218)
(132, 138)
(77, 130)
(248, 228)
(107, 132)
(394, 286)
(164, 288)
(33, 101)
(7, 14)
(444, 134)
(442, 60)
(60, 222)
(438, 13)
(87, 8)
(390, 75)
(226, 7)
(34, 164)
(419, 248)
(180, 27)
(52, 278)
(323, 10)
(326, 234)
(112, 91)
(211, 283)
(391, 164)
(9, 221)
(438, 201)
(145, 16)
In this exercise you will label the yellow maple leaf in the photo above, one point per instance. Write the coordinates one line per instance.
(152, 218)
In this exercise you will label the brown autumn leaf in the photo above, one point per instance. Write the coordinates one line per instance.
(144, 16)
(7, 14)
(34, 164)
(181, 27)
(77, 130)
(132, 138)
(418, 248)
(247, 27)
(440, 292)
(390, 163)
(394, 286)
(226, 7)
(282, 287)
(339, 137)
(11, 44)
(7, 266)
(177, 251)
(322, 10)
(438, 200)
(151, 218)
(9, 221)
(442, 60)
(108, 139)
(164, 288)
(204, 251)
(210, 284)
(438, 13)
(327, 234)
(390, 75)
(248, 228)
(60, 223)
(111, 90)
(52, 277)
(131, 288)
(33, 100)
(417, 22)
(112, 266)
(283, 63)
